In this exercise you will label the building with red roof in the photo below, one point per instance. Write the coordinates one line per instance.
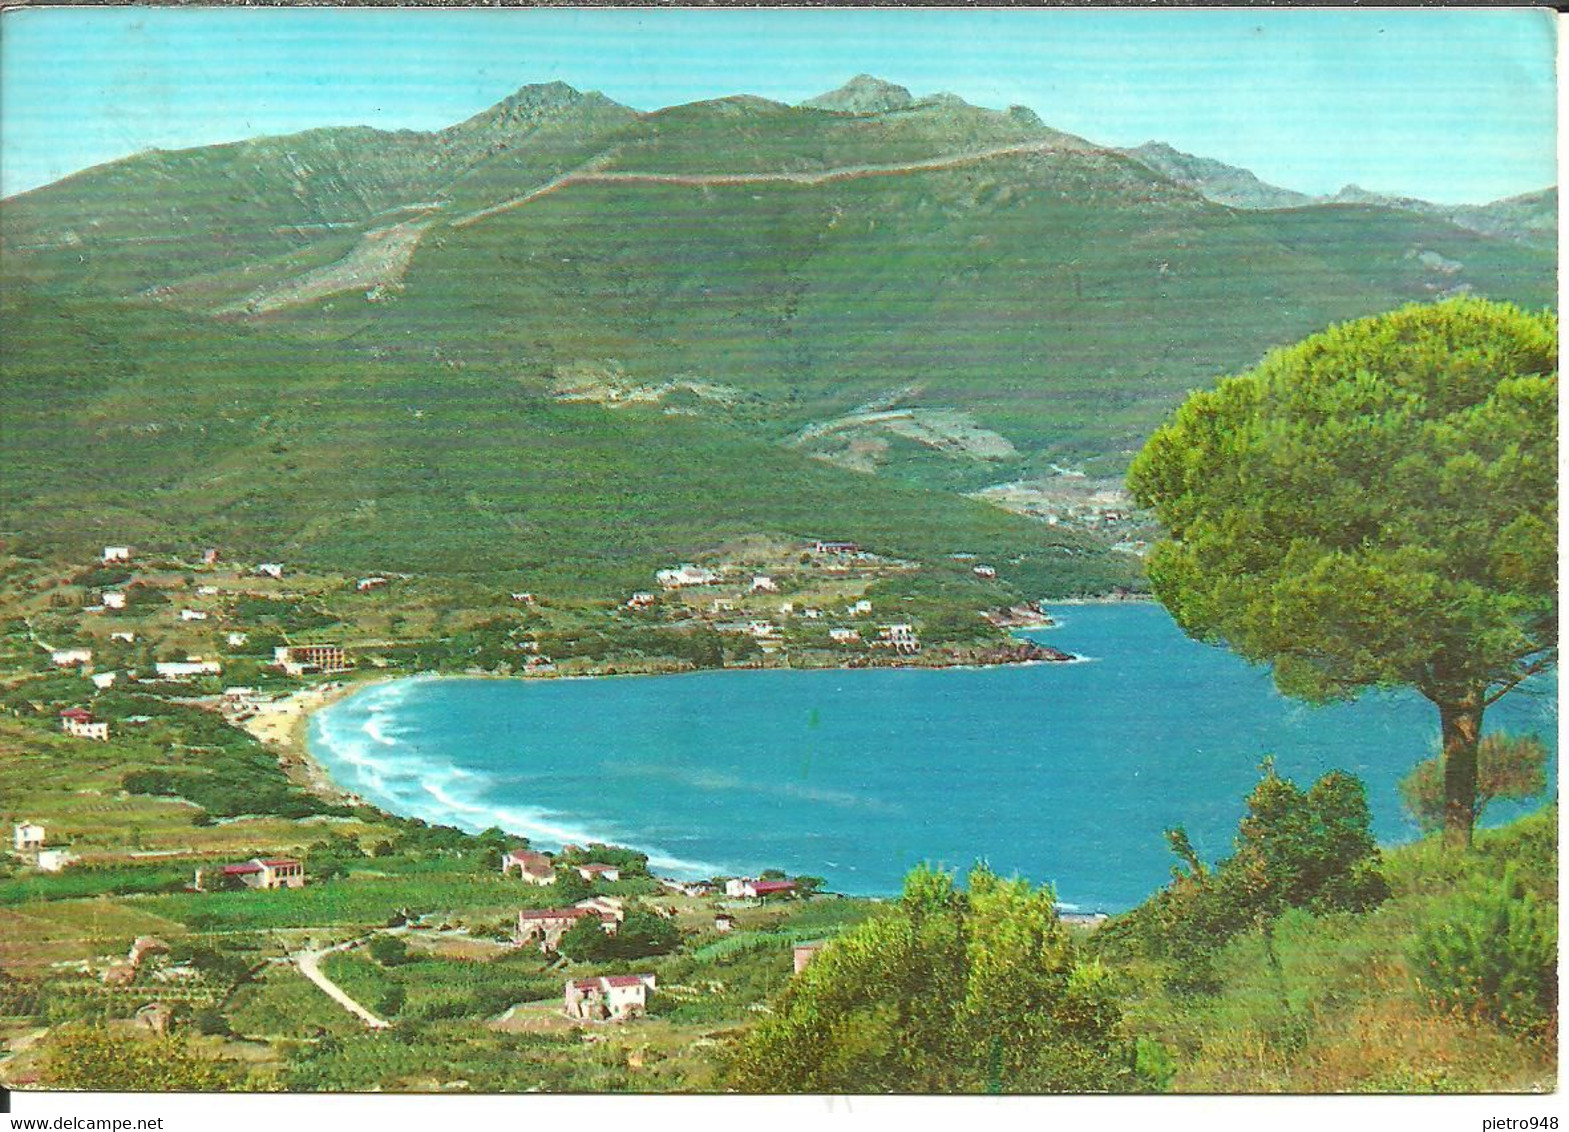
(608, 998)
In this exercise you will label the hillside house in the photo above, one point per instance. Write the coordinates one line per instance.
(156, 1017)
(685, 887)
(104, 680)
(117, 554)
(861, 608)
(260, 873)
(595, 871)
(55, 860)
(238, 639)
(27, 837)
(370, 584)
(270, 569)
(180, 670)
(806, 952)
(750, 888)
(762, 629)
(843, 636)
(900, 637)
(128, 638)
(112, 599)
(80, 723)
(835, 549)
(812, 614)
(523, 598)
(984, 571)
(763, 584)
(297, 660)
(724, 922)
(535, 868)
(686, 574)
(193, 615)
(608, 998)
(641, 600)
(546, 926)
(206, 591)
(70, 658)
(210, 556)
(241, 698)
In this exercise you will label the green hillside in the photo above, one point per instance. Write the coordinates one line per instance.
(564, 332)
(165, 431)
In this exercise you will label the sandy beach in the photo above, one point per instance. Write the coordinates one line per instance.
(281, 725)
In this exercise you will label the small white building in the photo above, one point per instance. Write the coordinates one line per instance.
(763, 584)
(900, 637)
(80, 723)
(113, 599)
(984, 571)
(762, 629)
(103, 680)
(55, 860)
(594, 871)
(842, 635)
(523, 597)
(370, 583)
(641, 600)
(608, 998)
(186, 669)
(193, 615)
(238, 639)
(70, 658)
(126, 637)
(117, 554)
(535, 868)
(861, 608)
(27, 837)
(207, 591)
(686, 574)
(812, 614)
(270, 569)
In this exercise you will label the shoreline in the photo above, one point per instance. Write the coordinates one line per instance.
(283, 725)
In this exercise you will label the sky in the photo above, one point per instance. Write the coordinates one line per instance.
(1454, 106)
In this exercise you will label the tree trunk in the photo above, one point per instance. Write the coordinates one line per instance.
(1461, 726)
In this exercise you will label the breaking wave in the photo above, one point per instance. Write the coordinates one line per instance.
(371, 749)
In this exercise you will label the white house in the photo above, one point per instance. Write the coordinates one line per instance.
(117, 554)
(812, 614)
(70, 658)
(763, 584)
(270, 569)
(207, 591)
(900, 637)
(839, 634)
(79, 722)
(593, 872)
(28, 837)
(102, 680)
(535, 868)
(605, 906)
(608, 998)
(113, 599)
(54, 860)
(640, 600)
(750, 888)
(238, 639)
(984, 571)
(370, 583)
(686, 574)
(263, 873)
(126, 637)
(523, 597)
(193, 615)
(860, 608)
(184, 670)
(762, 629)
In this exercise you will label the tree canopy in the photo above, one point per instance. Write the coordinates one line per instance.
(949, 991)
(1374, 506)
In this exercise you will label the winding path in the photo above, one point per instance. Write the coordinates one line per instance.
(309, 964)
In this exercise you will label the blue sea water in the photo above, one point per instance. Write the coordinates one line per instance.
(1066, 773)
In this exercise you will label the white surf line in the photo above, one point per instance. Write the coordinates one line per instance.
(821, 176)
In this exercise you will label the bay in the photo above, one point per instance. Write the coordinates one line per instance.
(1064, 773)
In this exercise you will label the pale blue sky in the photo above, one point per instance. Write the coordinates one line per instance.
(1454, 106)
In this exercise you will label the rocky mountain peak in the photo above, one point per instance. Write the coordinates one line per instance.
(864, 94)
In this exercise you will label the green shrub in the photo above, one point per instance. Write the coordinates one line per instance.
(1494, 954)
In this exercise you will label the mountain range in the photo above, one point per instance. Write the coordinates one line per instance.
(945, 296)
